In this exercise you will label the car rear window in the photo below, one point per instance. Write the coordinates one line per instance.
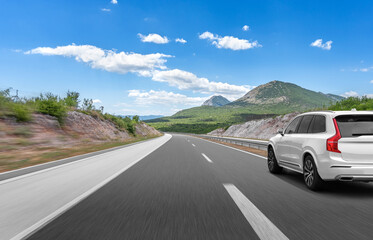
(355, 125)
(317, 124)
(304, 124)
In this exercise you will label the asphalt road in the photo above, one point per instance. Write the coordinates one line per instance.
(189, 188)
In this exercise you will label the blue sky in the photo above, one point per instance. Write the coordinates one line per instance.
(124, 54)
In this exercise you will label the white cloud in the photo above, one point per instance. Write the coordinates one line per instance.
(180, 40)
(367, 69)
(114, 1)
(154, 38)
(108, 60)
(184, 80)
(229, 42)
(105, 9)
(318, 43)
(164, 98)
(350, 94)
(96, 101)
(246, 28)
(371, 81)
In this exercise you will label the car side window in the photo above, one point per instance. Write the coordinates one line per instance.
(305, 124)
(293, 126)
(318, 124)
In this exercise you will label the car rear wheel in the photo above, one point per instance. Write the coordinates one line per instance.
(273, 166)
(312, 178)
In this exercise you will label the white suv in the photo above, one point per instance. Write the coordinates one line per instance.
(325, 145)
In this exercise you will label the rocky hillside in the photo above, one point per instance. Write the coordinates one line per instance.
(258, 129)
(216, 101)
(78, 127)
(277, 92)
(43, 139)
(273, 98)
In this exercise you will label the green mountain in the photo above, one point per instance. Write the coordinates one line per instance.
(216, 101)
(273, 98)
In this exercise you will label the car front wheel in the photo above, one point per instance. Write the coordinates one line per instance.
(311, 176)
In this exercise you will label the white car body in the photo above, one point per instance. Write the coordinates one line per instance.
(353, 162)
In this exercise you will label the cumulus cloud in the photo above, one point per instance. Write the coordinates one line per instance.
(180, 40)
(114, 1)
(154, 38)
(108, 60)
(105, 9)
(318, 43)
(184, 80)
(350, 94)
(164, 98)
(355, 94)
(96, 101)
(246, 28)
(229, 42)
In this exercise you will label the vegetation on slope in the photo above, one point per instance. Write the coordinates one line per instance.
(363, 103)
(53, 105)
(274, 98)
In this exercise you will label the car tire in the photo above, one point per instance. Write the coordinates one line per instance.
(273, 166)
(311, 176)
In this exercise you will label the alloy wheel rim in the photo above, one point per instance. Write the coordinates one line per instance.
(308, 172)
(270, 159)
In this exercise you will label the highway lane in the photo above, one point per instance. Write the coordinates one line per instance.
(31, 200)
(171, 194)
(210, 191)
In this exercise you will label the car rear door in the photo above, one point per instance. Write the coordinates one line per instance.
(285, 144)
(299, 140)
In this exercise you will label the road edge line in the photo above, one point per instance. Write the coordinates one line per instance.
(43, 222)
(60, 165)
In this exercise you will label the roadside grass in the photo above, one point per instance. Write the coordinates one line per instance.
(15, 160)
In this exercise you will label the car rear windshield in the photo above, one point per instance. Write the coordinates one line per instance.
(355, 125)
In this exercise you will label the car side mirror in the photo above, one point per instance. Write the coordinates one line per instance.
(280, 131)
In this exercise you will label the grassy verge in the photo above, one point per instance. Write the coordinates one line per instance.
(15, 159)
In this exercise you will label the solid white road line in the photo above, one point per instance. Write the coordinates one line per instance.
(32, 202)
(43, 222)
(263, 227)
(207, 158)
(256, 155)
(193, 145)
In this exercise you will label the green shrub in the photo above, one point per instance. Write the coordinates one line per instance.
(21, 112)
(52, 105)
(72, 99)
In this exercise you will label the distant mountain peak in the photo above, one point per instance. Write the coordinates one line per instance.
(216, 101)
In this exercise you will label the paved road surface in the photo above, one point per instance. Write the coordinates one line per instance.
(189, 188)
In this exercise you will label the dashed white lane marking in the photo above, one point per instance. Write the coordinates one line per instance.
(207, 158)
(193, 145)
(256, 155)
(263, 227)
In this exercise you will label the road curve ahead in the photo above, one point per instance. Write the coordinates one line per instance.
(189, 188)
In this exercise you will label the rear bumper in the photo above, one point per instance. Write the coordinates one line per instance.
(347, 172)
(352, 178)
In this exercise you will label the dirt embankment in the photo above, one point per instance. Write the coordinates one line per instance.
(257, 129)
(44, 139)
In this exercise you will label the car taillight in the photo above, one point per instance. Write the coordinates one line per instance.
(332, 143)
